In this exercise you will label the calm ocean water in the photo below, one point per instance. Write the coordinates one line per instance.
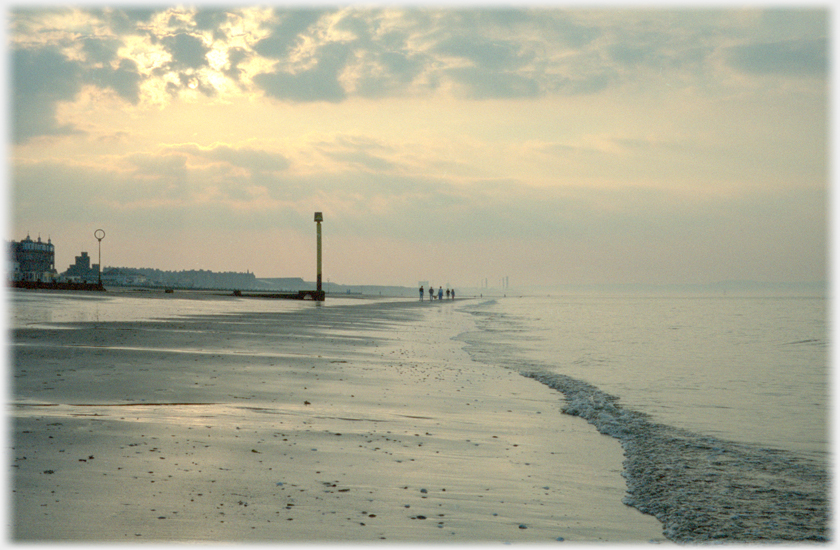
(721, 403)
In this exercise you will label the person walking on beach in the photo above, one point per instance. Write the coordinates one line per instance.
(453, 293)
(421, 293)
(447, 293)
(440, 293)
(431, 292)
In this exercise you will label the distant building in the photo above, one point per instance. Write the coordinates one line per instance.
(82, 271)
(32, 261)
(122, 277)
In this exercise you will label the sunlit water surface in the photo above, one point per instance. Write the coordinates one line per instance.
(754, 370)
(721, 403)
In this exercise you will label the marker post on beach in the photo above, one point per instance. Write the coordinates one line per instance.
(99, 234)
(319, 217)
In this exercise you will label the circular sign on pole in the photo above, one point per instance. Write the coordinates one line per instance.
(99, 234)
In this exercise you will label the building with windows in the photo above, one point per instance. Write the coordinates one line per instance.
(82, 271)
(32, 261)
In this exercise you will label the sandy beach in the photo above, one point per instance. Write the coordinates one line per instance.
(330, 424)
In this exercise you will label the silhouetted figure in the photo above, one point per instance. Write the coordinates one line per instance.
(440, 293)
(421, 293)
(447, 293)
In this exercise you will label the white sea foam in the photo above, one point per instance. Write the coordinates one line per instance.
(702, 488)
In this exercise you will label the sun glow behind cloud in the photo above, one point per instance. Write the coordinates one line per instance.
(550, 145)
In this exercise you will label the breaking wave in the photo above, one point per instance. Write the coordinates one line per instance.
(702, 488)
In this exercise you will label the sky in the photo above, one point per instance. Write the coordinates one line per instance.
(550, 145)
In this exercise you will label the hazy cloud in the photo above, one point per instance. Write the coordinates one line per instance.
(565, 31)
(235, 57)
(188, 51)
(481, 84)
(331, 55)
(320, 83)
(806, 57)
(210, 19)
(125, 79)
(389, 73)
(125, 20)
(100, 50)
(629, 55)
(167, 166)
(483, 53)
(254, 160)
(287, 31)
(40, 79)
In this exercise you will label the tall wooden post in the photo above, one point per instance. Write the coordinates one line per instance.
(319, 217)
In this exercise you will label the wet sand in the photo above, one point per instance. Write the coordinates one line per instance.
(331, 424)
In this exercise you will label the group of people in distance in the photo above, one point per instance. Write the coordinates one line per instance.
(450, 294)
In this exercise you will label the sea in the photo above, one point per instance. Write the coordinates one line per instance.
(721, 404)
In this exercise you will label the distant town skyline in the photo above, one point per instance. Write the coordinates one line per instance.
(550, 145)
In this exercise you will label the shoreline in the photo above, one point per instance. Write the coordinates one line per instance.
(325, 424)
